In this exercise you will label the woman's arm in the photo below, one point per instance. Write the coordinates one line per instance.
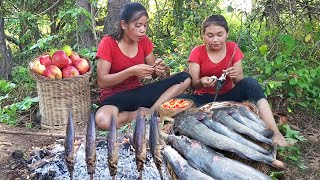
(105, 79)
(235, 72)
(194, 71)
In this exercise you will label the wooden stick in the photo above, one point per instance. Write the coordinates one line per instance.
(43, 134)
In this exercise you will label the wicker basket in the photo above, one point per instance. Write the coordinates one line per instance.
(173, 112)
(56, 95)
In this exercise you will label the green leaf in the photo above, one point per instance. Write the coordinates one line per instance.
(268, 68)
(307, 38)
(263, 49)
(293, 81)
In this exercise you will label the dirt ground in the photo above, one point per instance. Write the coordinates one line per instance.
(303, 120)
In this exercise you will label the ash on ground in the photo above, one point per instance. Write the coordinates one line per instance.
(55, 168)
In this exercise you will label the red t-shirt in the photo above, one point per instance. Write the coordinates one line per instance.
(109, 50)
(200, 56)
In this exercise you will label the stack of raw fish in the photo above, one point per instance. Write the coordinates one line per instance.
(227, 127)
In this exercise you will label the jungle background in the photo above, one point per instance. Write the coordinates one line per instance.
(280, 40)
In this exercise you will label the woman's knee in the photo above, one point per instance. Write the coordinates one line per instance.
(183, 76)
(250, 82)
(103, 117)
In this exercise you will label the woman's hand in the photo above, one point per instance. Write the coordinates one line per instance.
(142, 70)
(208, 81)
(232, 72)
(159, 67)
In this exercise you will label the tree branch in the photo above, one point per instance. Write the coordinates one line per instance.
(50, 8)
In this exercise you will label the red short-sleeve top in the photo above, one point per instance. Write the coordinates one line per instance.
(200, 56)
(109, 50)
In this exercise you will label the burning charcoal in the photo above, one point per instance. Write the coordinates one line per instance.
(101, 144)
(17, 154)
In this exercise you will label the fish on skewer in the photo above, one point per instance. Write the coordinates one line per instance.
(154, 142)
(112, 148)
(212, 163)
(139, 141)
(181, 167)
(69, 146)
(91, 146)
(188, 125)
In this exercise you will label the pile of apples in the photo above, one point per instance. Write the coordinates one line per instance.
(59, 64)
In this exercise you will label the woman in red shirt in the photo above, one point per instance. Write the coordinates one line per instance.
(123, 58)
(217, 57)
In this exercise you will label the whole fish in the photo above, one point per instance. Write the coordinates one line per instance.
(154, 142)
(225, 119)
(69, 147)
(139, 141)
(112, 148)
(220, 128)
(212, 163)
(188, 125)
(248, 114)
(181, 167)
(91, 146)
(235, 114)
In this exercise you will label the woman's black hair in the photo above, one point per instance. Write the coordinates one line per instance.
(129, 12)
(217, 20)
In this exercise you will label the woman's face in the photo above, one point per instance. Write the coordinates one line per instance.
(136, 30)
(215, 37)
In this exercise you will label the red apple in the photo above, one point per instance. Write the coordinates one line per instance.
(70, 71)
(82, 65)
(53, 72)
(45, 60)
(74, 57)
(37, 67)
(60, 59)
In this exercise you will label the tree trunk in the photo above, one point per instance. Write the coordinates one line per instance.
(86, 26)
(4, 58)
(112, 20)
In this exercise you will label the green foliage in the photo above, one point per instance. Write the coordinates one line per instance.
(292, 153)
(179, 30)
(9, 113)
(12, 105)
(275, 175)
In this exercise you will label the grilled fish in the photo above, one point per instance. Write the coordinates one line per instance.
(181, 167)
(212, 163)
(91, 146)
(140, 142)
(69, 147)
(188, 125)
(154, 142)
(112, 148)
